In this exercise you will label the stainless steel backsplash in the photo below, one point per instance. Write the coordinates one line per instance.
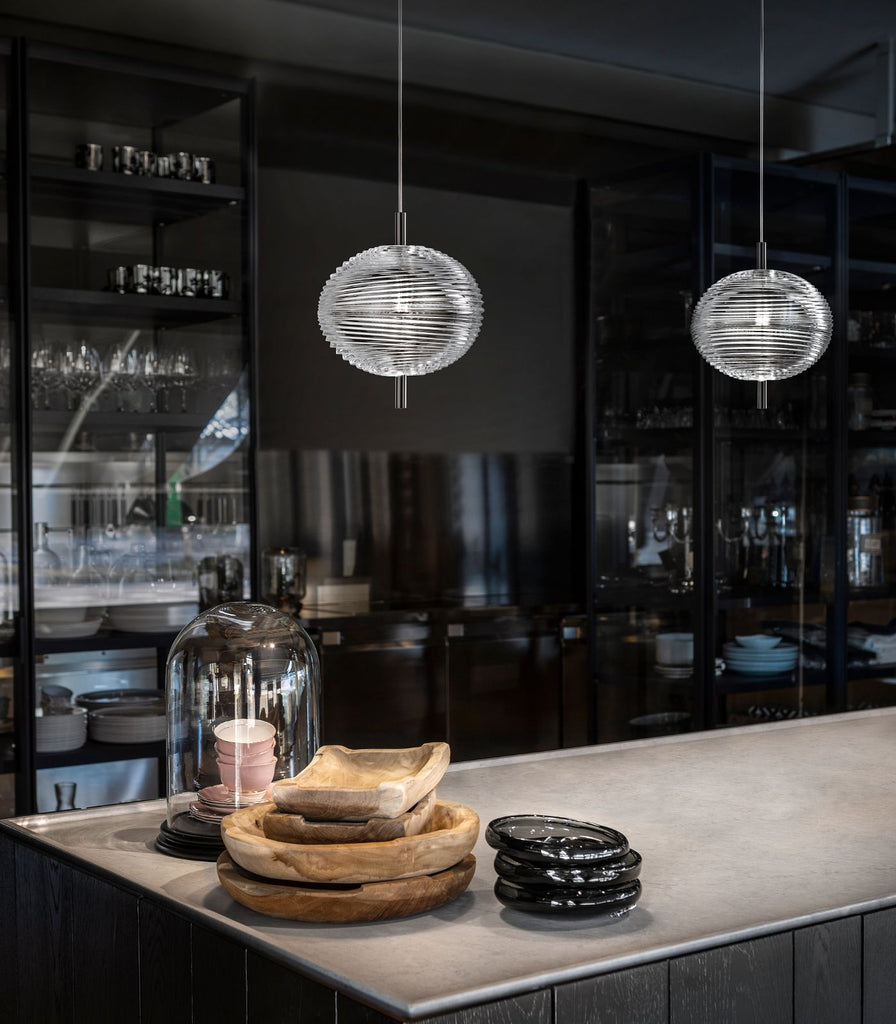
(466, 529)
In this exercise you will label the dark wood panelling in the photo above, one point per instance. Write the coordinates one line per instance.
(747, 983)
(533, 1008)
(350, 1012)
(827, 973)
(8, 933)
(105, 954)
(277, 995)
(219, 979)
(636, 996)
(165, 967)
(879, 974)
(44, 919)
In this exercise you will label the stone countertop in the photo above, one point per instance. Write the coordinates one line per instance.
(743, 832)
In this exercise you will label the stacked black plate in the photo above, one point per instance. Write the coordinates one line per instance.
(191, 839)
(561, 866)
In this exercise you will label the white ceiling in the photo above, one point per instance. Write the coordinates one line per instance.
(686, 66)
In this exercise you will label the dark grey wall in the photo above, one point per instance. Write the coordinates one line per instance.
(512, 392)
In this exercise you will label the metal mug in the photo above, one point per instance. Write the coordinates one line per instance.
(181, 165)
(124, 159)
(220, 580)
(214, 284)
(146, 162)
(118, 279)
(89, 156)
(204, 169)
(141, 278)
(163, 167)
(189, 281)
(165, 280)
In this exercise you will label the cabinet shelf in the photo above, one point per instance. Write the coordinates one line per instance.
(776, 257)
(46, 421)
(639, 595)
(772, 435)
(99, 753)
(872, 438)
(106, 641)
(76, 194)
(646, 437)
(733, 683)
(74, 305)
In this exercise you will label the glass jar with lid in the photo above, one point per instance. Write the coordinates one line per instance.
(860, 401)
(243, 710)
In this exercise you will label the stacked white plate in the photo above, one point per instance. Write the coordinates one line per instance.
(139, 724)
(66, 730)
(674, 671)
(152, 618)
(760, 661)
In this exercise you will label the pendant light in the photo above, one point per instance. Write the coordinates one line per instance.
(400, 310)
(761, 324)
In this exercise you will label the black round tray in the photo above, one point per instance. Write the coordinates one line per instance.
(599, 873)
(562, 842)
(606, 901)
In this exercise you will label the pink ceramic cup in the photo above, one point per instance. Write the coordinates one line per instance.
(247, 778)
(248, 735)
(245, 757)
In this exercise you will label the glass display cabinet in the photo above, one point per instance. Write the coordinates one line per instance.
(711, 521)
(136, 321)
(869, 657)
(10, 676)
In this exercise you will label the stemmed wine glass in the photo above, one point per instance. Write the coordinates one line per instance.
(121, 367)
(180, 371)
(81, 369)
(46, 373)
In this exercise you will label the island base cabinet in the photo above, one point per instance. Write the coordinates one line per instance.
(75, 948)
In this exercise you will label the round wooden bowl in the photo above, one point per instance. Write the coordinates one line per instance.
(449, 836)
(294, 828)
(373, 901)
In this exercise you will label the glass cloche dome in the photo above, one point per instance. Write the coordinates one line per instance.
(243, 709)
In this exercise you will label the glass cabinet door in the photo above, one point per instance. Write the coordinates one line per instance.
(139, 354)
(9, 597)
(773, 498)
(870, 411)
(644, 442)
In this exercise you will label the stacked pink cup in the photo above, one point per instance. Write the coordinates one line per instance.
(245, 754)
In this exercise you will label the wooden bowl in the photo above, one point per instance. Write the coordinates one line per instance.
(374, 901)
(294, 828)
(450, 835)
(355, 785)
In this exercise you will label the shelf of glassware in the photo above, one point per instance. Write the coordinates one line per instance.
(67, 305)
(58, 190)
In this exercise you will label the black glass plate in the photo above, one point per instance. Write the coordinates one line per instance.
(187, 851)
(602, 872)
(559, 841)
(606, 901)
(186, 828)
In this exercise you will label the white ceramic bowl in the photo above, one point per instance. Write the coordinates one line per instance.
(758, 641)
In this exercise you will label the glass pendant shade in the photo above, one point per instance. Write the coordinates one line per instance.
(761, 325)
(243, 694)
(400, 310)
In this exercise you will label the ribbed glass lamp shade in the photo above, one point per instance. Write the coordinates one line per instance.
(400, 310)
(761, 325)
